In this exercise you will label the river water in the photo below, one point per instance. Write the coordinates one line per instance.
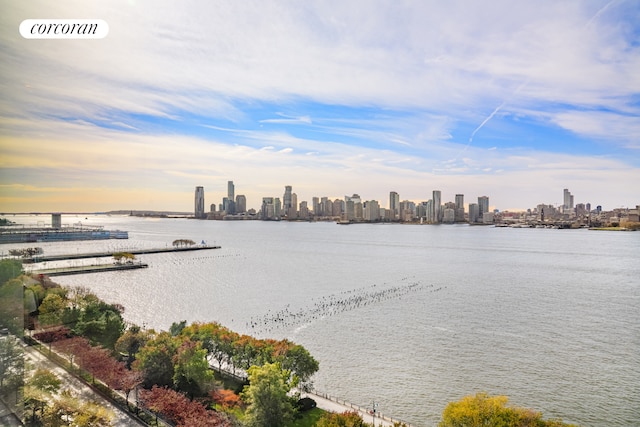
(411, 317)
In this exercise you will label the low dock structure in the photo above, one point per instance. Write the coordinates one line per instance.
(46, 258)
(83, 269)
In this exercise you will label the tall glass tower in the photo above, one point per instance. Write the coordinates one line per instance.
(199, 202)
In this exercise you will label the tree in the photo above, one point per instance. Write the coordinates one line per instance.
(101, 323)
(267, 396)
(155, 360)
(127, 257)
(346, 419)
(130, 343)
(51, 310)
(299, 361)
(11, 360)
(179, 410)
(483, 410)
(191, 369)
(38, 391)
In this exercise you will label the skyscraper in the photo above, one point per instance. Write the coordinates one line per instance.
(483, 206)
(199, 203)
(231, 205)
(286, 199)
(567, 200)
(437, 206)
(459, 215)
(241, 203)
(231, 190)
(394, 204)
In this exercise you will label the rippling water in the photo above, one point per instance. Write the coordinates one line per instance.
(550, 318)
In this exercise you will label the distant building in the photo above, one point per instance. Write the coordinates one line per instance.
(483, 205)
(303, 213)
(449, 216)
(287, 199)
(459, 214)
(487, 218)
(241, 203)
(56, 220)
(474, 213)
(394, 204)
(199, 203)
(437, 206)
(292, 212)
(230, 206)
(372, 211)
(567, 200)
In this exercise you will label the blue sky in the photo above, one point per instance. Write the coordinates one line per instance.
(513, 100)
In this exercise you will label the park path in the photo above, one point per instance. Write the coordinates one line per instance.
(80, 389)
(331, 404)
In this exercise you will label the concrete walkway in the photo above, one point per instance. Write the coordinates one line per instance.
(79, 389)
(331, 404)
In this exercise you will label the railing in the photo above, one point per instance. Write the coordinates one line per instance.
(379, 415)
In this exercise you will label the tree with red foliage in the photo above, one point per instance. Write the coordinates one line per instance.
(71, 347)
(181, 411)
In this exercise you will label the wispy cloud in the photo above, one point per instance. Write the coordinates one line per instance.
(383, 93)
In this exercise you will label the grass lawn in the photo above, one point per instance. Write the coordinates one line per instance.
(308, 419)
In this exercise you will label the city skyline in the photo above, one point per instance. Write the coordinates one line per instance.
(393, 202)
(332, 98)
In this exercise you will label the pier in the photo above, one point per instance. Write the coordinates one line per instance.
(46, 258)
(83, 269)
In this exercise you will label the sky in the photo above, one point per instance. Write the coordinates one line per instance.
(514, 100)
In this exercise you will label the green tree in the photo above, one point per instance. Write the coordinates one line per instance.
(191, 369)
(299, 361)
(11, 361)
(101, 323)
(51, 310)
(12, 306)
(155, 360)
(130, 343)
(267, 396)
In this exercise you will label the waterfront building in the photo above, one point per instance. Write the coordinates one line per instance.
(277, 207)
(483, 205)
(268, 208)
(315, 204)
(459, 215)
(212, 208)
(230, 207)
(394, 204)
(487, 218)
(199, 202)
(436, 214)
(349, 210)
(241, 203)
(304, 210)
(371, 211)
(358, 211)
(56, 220)
(474, 213)
(292, 213)
(326, 206)
(449, 215)
(338, 207)
(286, 199)
(422, 210)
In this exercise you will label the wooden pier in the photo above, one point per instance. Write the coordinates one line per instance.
(45, 258)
